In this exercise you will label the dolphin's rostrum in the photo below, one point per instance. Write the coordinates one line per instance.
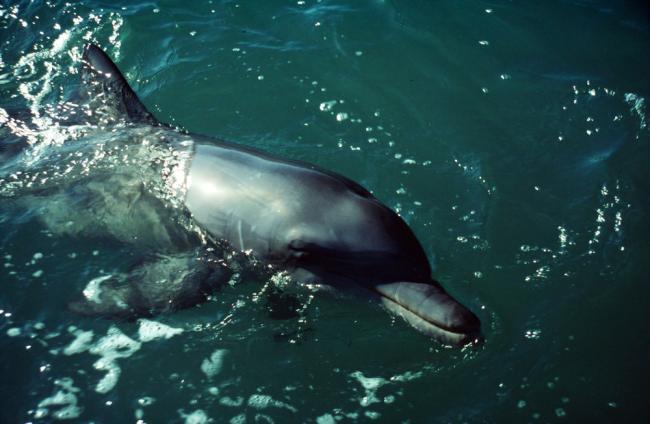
(319, 226)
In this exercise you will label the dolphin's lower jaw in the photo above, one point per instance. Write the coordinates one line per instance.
(429, 309)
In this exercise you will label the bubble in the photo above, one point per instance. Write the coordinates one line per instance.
(146, 400)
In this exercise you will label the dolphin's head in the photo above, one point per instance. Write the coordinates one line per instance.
(431, 310)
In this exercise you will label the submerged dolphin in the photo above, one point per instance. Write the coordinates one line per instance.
(317, 225)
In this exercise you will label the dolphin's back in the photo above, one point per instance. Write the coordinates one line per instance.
(286, 211)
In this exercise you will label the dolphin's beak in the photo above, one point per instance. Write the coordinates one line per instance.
(428, 308)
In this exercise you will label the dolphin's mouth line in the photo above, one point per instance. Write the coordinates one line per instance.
(439, 326)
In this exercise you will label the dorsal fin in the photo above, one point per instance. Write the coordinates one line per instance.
(104, 79)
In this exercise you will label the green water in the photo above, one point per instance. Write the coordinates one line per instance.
(512, 136)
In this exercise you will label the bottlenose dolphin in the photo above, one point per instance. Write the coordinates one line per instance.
(318, 226)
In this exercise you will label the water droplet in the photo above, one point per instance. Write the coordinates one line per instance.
(533, 334)
(341, 116)
(327, 106)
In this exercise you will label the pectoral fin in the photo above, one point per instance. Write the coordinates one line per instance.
(165, 284)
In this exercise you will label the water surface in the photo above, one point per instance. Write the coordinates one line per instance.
(512, 136)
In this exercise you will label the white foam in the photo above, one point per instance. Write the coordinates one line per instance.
(115, 344)
(111, 347)
(65, 398)
(14, 332)
(152, 330)
(59, 398)
(325, 419)
(212, 366)
(113, 371)
(638, 106)
(93, 289)
(370, 385)
(59, 44)
(238, 419)
(197, 417)
(69, 412)
(259, 401)
(263, 418)
(81, 343)
(228, 401)
(407, 376)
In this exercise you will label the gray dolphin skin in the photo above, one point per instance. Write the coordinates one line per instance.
(318, 226)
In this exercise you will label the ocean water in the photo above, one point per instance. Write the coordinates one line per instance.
(512, 136)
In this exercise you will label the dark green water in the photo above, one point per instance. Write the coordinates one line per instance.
(512, 136)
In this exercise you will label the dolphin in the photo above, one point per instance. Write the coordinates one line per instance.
(318, 226)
